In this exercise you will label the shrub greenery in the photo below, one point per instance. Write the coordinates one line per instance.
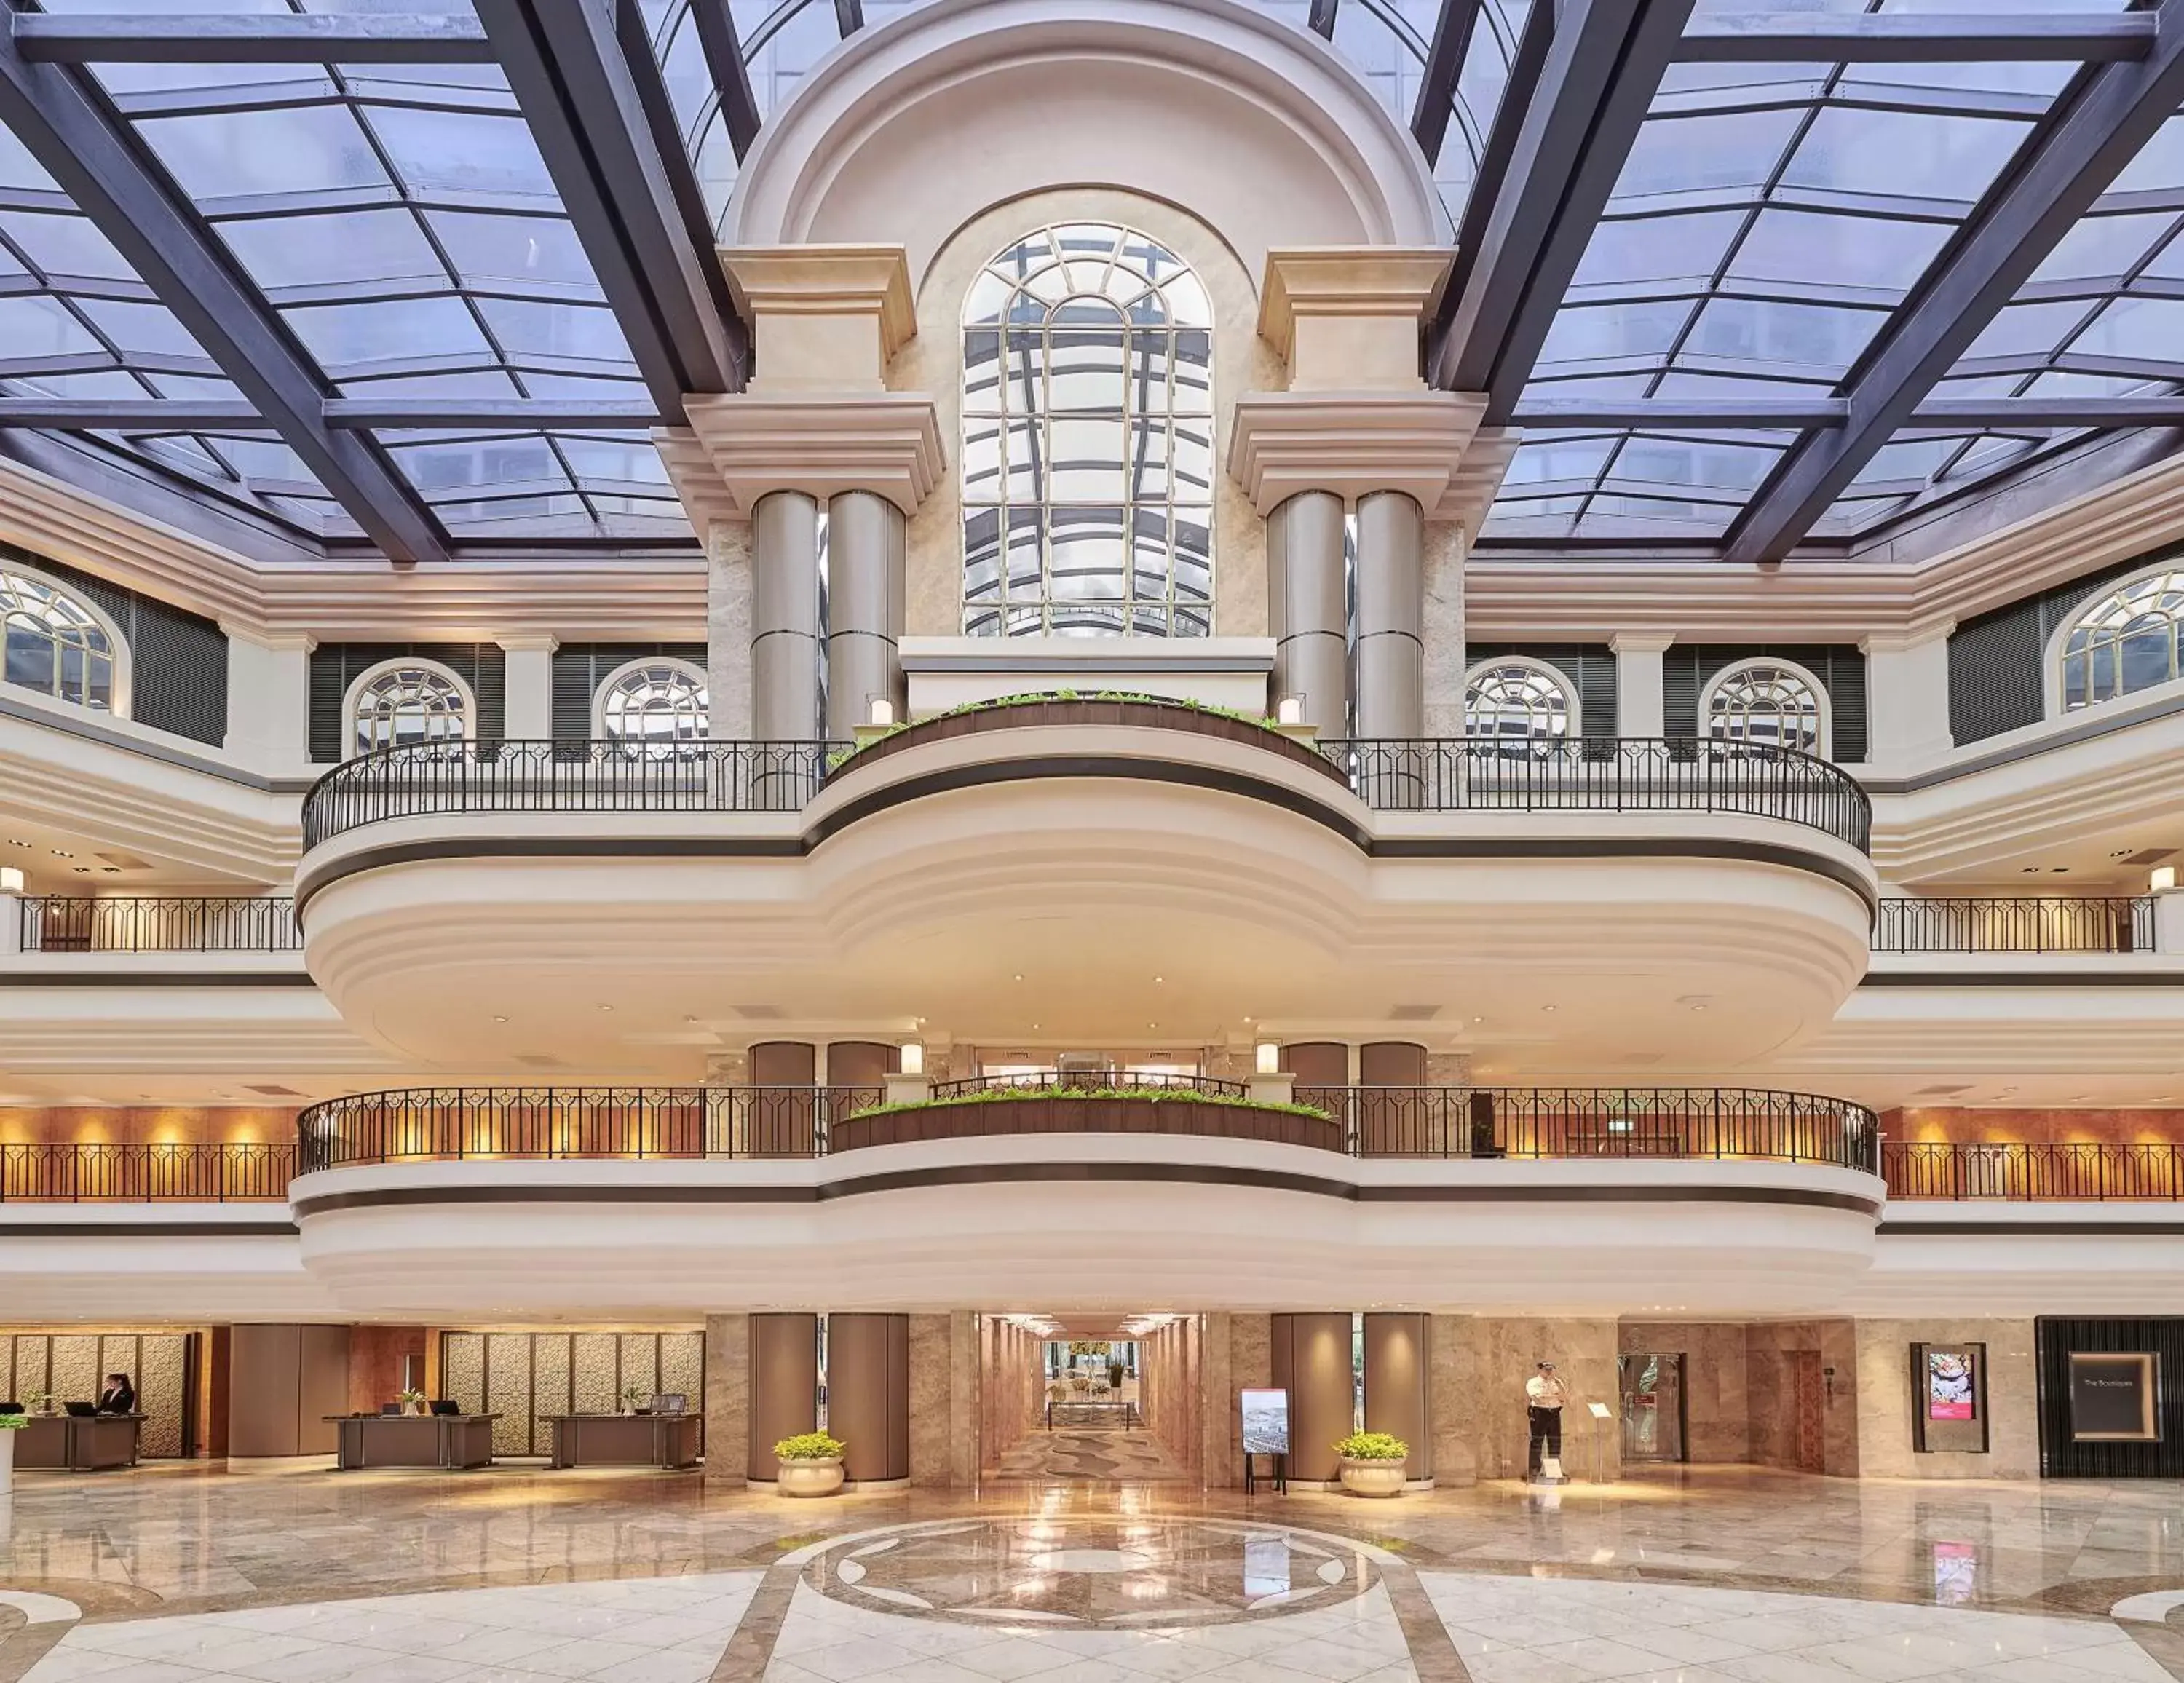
(1034, 697)
(995, 1095)
(1372, 1446)
(810, 1446)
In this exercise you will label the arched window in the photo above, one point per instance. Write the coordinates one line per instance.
(58, 645)
(1518, 703)
(660, 704)
(1088, 439)
(2130, 639)
(402, 702)
(1768, 702)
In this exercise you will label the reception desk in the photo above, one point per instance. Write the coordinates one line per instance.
(666, 1440)
(76, 1443)
(450, 1443)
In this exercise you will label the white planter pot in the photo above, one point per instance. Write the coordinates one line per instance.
(1374, 1477)
(811, 1478)
(6, 1461)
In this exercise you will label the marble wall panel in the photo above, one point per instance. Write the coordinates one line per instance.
(1772, 1350)
(378, 1358)
(1717, 1403)
(728, 1399)
(1453, 1388)
(1885, 1400)
(1584, 1354)
(964, 1448)
(930, 1428)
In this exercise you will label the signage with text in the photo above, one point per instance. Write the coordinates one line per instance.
(2115, 1398)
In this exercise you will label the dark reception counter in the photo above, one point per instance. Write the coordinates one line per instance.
(448, 1441)
(664, 1441)
(78, 1443)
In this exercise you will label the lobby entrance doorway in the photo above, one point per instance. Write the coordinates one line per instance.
(1090, 1398)
(1652, 1383)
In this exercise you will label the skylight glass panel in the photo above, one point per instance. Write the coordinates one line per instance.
(64, 246)
(2026, 330)
(1902, 153)
(487, 249)
(1658, 248)
(2143, 329)
(467, 464)
(2100, 248)
(461, 152)
(1614, 331)
(217, 155)
(1693, 462)
(1798, 338)
(343, 248)
(524, 329)
(148, 329)
(1709, 152)
(32, 329)
(345, 335)
(1871, 253)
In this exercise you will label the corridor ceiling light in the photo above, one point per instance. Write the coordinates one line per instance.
(913, 1057)
(11, 880)
(1270, 1058)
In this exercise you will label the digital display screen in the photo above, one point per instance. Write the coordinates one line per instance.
(1952, 1386)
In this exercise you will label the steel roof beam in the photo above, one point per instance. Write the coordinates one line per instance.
(1451, 40)
(1601, 70)
(2096, 128)
(565, 62)
(849, 17)
(1680, 414)
(723, 52)
(340, 415)
(1916, 38)
(225, 38)
(1320, 18)
(163, 238)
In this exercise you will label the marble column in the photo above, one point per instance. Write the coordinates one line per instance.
(527, 663)
(1391, 617)
(728, 1399)
(728, 629)
(785, 645)
(1640, 697)
(1307, 608)
(1453, 1402)
(964, 1448)
(930, 1428)
(865, 559)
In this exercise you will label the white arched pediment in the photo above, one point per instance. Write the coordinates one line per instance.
(1254, 126)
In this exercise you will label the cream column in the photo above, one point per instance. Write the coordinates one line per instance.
(1307, 608)
(527, 667)
(1640, 700)
(269, 676)
(818, 428)
(1357, 425)
(1907, 691)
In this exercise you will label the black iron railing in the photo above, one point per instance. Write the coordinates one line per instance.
(461, 1123)
(420, 779)
(1602, 1122)
(1625, 774)
(80, 1173)
(1088, 1081)
(2035, 1172)
(2029, 923)
(159, 923)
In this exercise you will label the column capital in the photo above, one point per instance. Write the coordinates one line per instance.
(1899, 642)
(527, 642)
(1426, 444)
(823, 317)
(1641, 642)
(1345, 317)
(280, 641)
(738, 448)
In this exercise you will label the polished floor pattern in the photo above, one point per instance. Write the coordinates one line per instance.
(1729, 1575)
(1089, 1452)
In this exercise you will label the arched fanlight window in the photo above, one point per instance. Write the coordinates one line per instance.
(1518, 702)
(2130, 639)
(403, 702)
(1088, 439)
(1767, 702)
(57, 644)
(660, 704)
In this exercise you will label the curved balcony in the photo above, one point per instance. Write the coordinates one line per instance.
(640, 1200)
(499, 906)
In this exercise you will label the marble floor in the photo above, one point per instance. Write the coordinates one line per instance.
(176, 1574)
(1089, 1452)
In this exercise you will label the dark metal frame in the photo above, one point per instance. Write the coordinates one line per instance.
(2039, 1172)
(157, 923)
(2027, 923)
(74, 1172)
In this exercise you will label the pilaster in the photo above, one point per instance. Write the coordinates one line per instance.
(528, 663)
(1641, 702)
(269, 701)
(1907, 682)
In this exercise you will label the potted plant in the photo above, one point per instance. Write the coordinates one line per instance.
(412, 1401)
(10, 1424)
(38, 1401)
(1373, 1463)
(811, 1464)
(634, 1399)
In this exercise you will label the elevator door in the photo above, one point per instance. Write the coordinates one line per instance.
(1652, 1385)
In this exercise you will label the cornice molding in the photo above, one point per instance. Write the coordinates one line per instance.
(1355, 443)
(738, 449)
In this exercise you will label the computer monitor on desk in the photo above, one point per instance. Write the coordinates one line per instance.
(446, 1405)
(82, 1411)
(671, 1402)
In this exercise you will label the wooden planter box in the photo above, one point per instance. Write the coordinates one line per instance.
(1140, 714)
(973, 1118)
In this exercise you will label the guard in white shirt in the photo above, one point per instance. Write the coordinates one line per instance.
(1545, 1394)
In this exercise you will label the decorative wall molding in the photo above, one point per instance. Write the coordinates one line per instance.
(738, 449)
(1353, 442)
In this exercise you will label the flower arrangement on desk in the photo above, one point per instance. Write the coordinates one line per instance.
(37, 1403)
(412, 1401)
(634, 1399)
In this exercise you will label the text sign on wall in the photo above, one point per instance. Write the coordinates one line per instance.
(2113, 1397)
(1266, 1422)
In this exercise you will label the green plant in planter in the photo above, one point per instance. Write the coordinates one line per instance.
(12, 1422)
(993, 1095)
(837, 758)
(810, 1446)
(1372, 1447)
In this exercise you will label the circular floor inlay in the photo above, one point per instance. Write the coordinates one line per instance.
(1120, 1573)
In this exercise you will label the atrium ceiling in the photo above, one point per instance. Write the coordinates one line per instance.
(414, 277)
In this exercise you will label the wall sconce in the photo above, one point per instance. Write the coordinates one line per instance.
(1290, 711)
(913, 1057)
(2163, 878)
(1270, 1058)
(882, 711)
(11, 880)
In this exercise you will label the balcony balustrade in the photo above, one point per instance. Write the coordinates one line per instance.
(77, 1173)
(2029, 923)
(1460, 774)
(157, 923)
(2038, 1172)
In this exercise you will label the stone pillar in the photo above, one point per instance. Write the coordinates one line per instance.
(1397, 1376)
(728, 1399)
(784, 644)
(1307, 608)
(1453, 1401)
(868, 1395)
(931, 1430)
(1640, 701)
(1391, 617)
(728, 628)
(1907, 686)
(528, 662)
(865, 554)
(269, 701)
(1447, 658)
(785, 1386)
(964, 1448)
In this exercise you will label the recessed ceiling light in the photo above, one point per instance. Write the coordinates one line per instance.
(500, 1019)
(1549, 1007)
(12, 842)
(1160, 978)
(63, 853)
(606, 1007)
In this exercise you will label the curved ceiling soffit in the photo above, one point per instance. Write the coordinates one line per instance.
(832, 164)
